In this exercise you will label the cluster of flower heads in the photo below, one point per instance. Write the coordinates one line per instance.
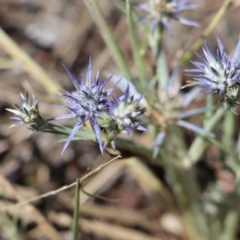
(91, 102)
(88, 102)
(163, 11)
(218, 74)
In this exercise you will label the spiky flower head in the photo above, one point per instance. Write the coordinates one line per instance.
(27, 113)
(86, 102)
(127, 112)
(163, 11)
(218, 74)
(123, 116)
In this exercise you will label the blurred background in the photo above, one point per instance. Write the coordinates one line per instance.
(56, 32)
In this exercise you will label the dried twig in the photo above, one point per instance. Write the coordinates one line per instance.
(51, 193)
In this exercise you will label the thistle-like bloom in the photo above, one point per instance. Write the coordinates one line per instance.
(86, 103)
(218, 74)
(126, 112)
(123, 116)
(27, 113)
(163, 11)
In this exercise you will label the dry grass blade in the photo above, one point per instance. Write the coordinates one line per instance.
(150, 183)
(101, 229)
(49, 230)
(28, 64)
(121, 216)
(198, 43)
(117, 232)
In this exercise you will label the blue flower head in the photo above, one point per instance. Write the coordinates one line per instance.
(123, 116)
(163, 11)
(218, 74)
(86, 102)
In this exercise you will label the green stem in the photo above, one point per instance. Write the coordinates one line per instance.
(82, 134)
(238, 147)
(199, 145)
(230, 222)
(76, 212)
(156, 44)
(138, 59)
(228, 129)
(108, 37)
(162, 70)
(186, 189)
(209, 104)
(185, 184)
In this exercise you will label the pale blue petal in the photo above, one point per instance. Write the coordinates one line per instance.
(73, 132)
(195, 128)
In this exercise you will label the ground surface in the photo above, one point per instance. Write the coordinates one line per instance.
(53, 32)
